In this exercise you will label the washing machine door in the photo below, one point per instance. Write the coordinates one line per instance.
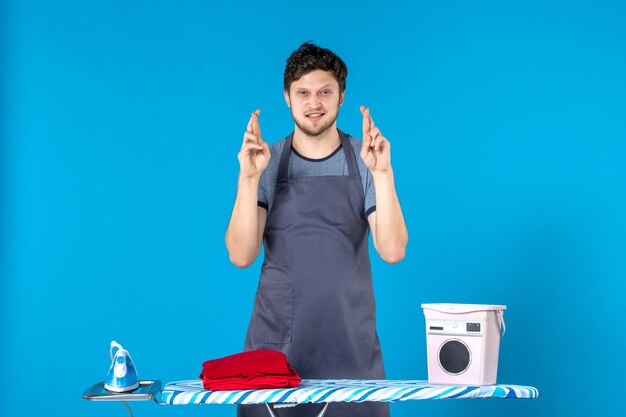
(454, 356)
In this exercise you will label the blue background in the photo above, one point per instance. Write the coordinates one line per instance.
(121, 122)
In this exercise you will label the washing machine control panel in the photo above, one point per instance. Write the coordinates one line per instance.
(454, 327)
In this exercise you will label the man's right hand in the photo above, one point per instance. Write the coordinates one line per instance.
(255, 153)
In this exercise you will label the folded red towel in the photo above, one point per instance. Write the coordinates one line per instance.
(252, 382)
(255, 369)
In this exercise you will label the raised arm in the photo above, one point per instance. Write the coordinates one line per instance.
(247, 222)
(389, 231)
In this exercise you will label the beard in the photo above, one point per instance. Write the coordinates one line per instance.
(314, 131)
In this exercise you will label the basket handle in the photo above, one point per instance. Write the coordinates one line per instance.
(501, 324)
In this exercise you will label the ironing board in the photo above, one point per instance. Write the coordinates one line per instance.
(317, 391)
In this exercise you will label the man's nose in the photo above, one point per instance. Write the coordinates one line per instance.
(314, 101)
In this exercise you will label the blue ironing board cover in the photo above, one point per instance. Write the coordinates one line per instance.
(337, 390)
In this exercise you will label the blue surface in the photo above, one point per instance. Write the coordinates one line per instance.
(337, 390)
(120, 124)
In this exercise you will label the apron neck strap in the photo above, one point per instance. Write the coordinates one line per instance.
(283, 166)
(349, 153)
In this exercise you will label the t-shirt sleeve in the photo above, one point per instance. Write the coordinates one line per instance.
(262, 194)
(370, 194)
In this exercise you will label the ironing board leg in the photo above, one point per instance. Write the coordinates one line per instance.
(323, 410)
(270, 410)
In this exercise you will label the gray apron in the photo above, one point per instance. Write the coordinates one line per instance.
(315, 300)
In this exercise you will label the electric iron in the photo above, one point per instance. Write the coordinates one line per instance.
(122, 376)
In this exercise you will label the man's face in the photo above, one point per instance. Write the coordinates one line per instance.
(314, 100)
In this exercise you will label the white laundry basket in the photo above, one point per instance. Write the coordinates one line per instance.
(463, 343)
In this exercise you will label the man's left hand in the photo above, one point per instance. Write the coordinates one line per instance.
(376, 149)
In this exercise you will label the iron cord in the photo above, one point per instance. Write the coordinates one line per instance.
(128, 408)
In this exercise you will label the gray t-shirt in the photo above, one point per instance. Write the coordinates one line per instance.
(301, 166)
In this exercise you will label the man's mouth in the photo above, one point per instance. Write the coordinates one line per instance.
(314, 116)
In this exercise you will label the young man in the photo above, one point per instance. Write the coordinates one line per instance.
(312, 198)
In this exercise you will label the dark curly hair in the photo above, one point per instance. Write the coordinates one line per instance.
(310, 57)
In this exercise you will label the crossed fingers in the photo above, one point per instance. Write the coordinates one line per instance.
(371, 133)
(253, 123)
(252, 136)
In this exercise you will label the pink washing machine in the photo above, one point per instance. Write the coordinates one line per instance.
(463, 343)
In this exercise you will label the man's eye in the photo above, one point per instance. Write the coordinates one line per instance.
(302, 93)
(325, 92)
